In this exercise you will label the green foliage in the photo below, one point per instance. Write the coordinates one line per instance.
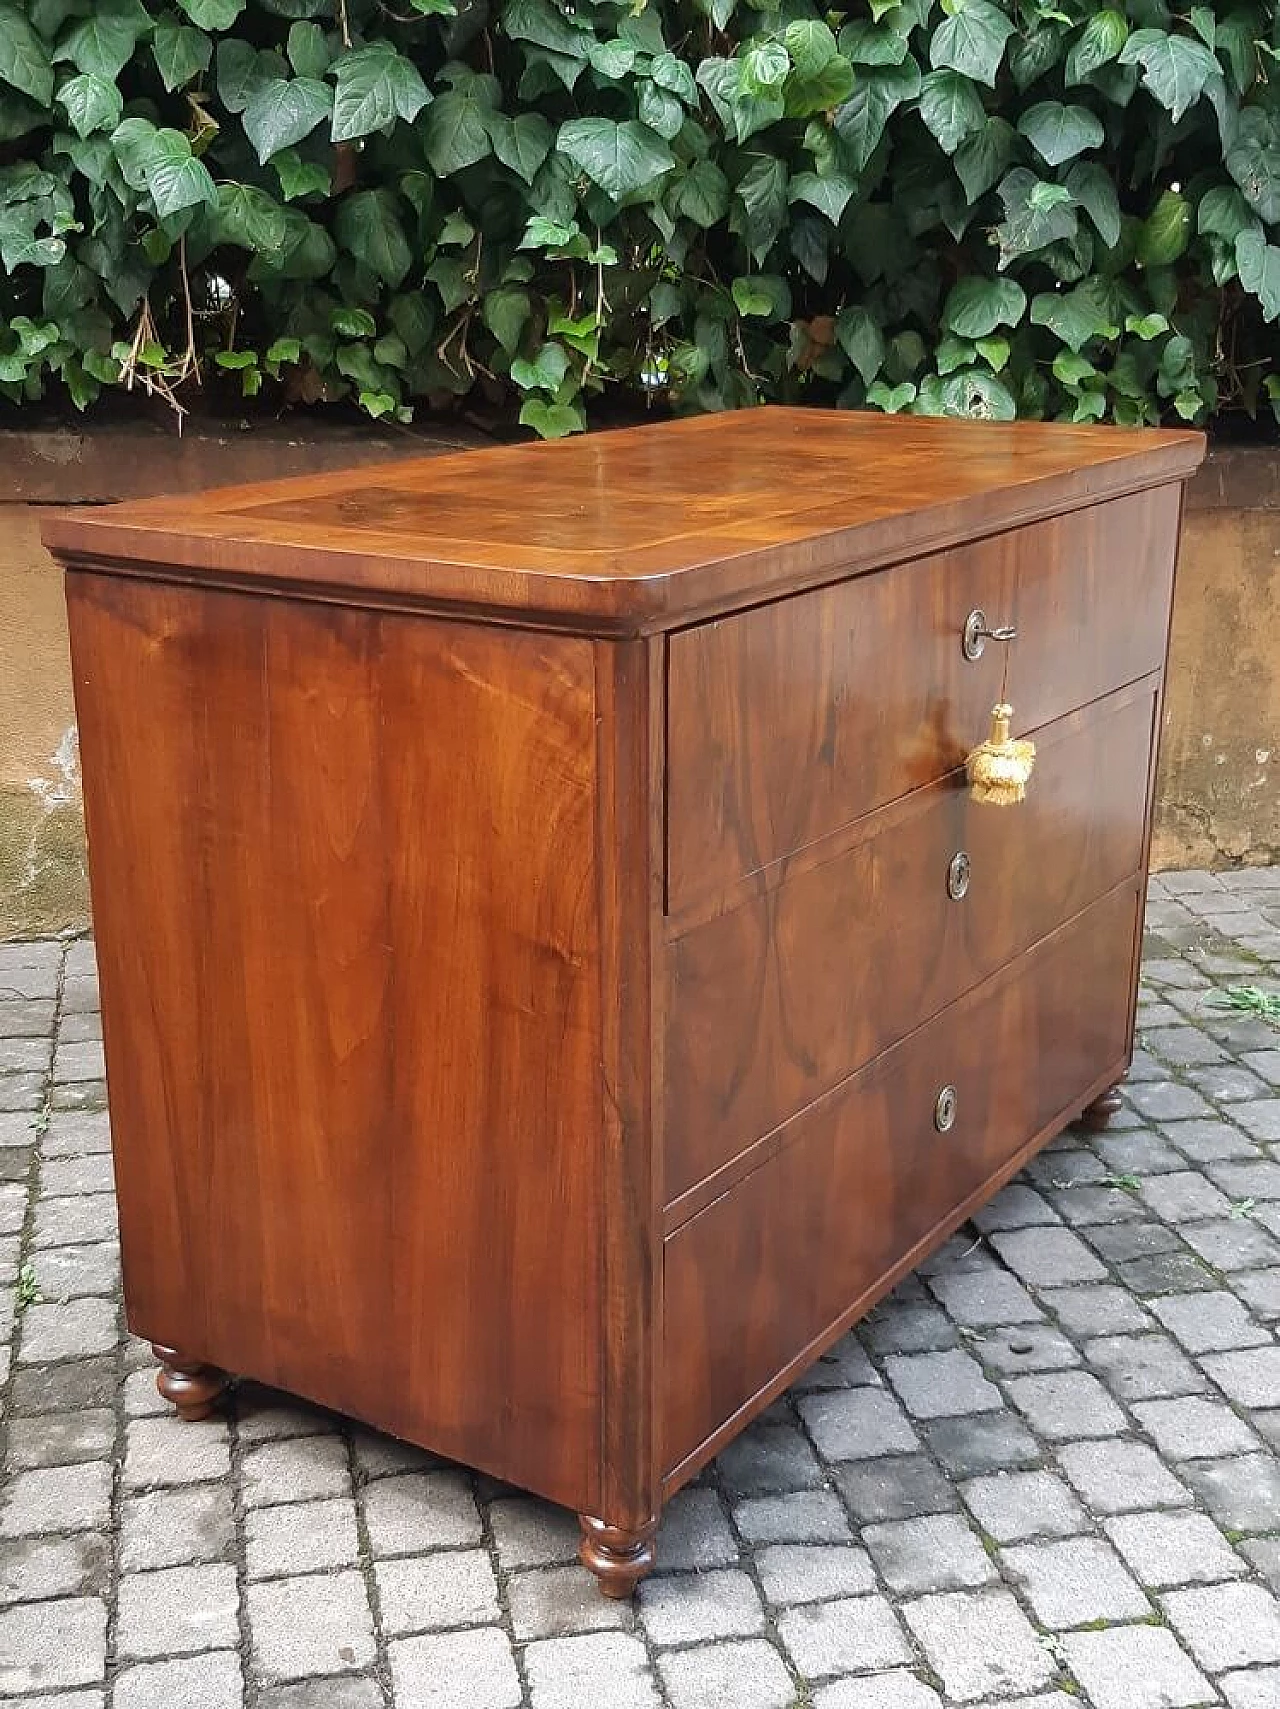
(1047, 208)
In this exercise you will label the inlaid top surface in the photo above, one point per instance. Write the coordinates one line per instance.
(637, 529)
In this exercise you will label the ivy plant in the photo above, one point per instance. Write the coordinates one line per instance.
(994, 208)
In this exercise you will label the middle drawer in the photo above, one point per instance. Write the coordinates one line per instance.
(769, 1005)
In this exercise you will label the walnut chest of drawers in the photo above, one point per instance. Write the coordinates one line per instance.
(554, 975)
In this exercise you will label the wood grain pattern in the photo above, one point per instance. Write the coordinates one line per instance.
(635, 530)
(788, 722)
(345, 895)
(865, 1175)
(773, 1003)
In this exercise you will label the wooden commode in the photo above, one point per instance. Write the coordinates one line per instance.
(555, 977)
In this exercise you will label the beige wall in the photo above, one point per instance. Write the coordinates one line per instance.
(1217, 800)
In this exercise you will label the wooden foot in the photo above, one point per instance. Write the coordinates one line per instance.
(1098, 1114)
(619, 1559)
(191, 1387)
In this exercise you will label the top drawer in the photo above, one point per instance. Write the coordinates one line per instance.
(788, 721)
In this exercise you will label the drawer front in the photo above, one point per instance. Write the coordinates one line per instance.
(866, 1179)
(773, 1003)
(789, 721)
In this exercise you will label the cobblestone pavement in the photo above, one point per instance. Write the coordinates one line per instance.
(1043, 1473)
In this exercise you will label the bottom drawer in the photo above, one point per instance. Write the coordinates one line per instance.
(864, 1177)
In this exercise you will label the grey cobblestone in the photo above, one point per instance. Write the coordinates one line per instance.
(1068, 1418)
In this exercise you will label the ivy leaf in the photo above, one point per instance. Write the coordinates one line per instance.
(612, 60)
(545, 24)
(1098, 44)
(308, 50)
(545, 372)
(1254, 162)
(506, 313)
(375, 85)
(241, 72)
(1166, 231)
(24, 63)
(976, 307)
(1174, 68)
(1094, 188)
(457, 131)
(1075, 316)
(1058, 133)
(810, 45)
(282, 112)
(760, 205)
(180, 52)
(971, 41)
(92, 104)
(660, 111)
(1259, 265)
(367, 225)
(213, 14)
(1035, 214)
(250, 219)
(830, 194)
(1224, 212)
(102, 44)
(702, 195)
(174, 178)
(866, 43)
(522, 143)
(552, 421)
(300, 177)
(862, 341)
(620, 158)
(877, 95)
(981, 159)
(951, 107)
(974, 394)
(762, 295)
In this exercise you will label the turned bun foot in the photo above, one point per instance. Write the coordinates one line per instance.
(618, 1558)
(1098, 1114)
(188, 1385)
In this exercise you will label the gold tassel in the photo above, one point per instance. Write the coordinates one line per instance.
(998, 768)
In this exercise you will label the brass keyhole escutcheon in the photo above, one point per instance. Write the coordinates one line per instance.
(977, 632)
(944, 1111)
(958, 873)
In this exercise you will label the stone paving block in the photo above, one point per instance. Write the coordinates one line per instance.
(65, 1177)
(532, 1533)
(177, 1611)
(1263, 1553)
(73, 1133)
(15, 1161)
(1183, 1046)
(1260, 1291)
(34, 1569)
(1024, 1347)
(309, 1536)
(57, 1498)
(941, 1385)
(1265, 1063)
(896, 1690)
(1101, 1310)
(696, 1533)
(167, 1450)
(1210, 1141)
(773, 1456)
(858, 1424)
(809, 1572)
(23, 1055)
(845, 1365)
(68, 1331)
(895, 1488)
(69, 1272)
(980, 1644)
(310, 1626)
(556, 1602)
(64, 1388)
(908, 1329)
(1143, 1367)
(1236, 1244)
(52, 1646)
(1119, 1244)
(1260, 1180)
(1063, 1405)
(376, 1455)
(1090, 1207)
(353, 1691)
(1226, 1625)
(173, 1527)
(1251, 1378)
(302, 1468)
(1253, 1688)
(1164, 1100)
(1194, 1428)
(1171, 1549)
(213, 1681)
(1135, 1667)
(1209, 1323)
(424, 1510)
(701, 1607)
(21, 1092)
(74, 1222)
(1138, 1153)
(1013, 1506)
(1261, 1118)
(938, 1552)
(1074, 1582)
(826, 1638)
(564, 1673)
(1015, 1206)
(1226, 1082)
(53, 1440)
(727, 1676)
(1242, 1494)
(433, 1592)
(25, 1017)
(1170, 1273)
(80, 1027)
(984, 1442)
(805, 1516)
(1184, 1197)
(1120, 1476)
(980, 1298)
